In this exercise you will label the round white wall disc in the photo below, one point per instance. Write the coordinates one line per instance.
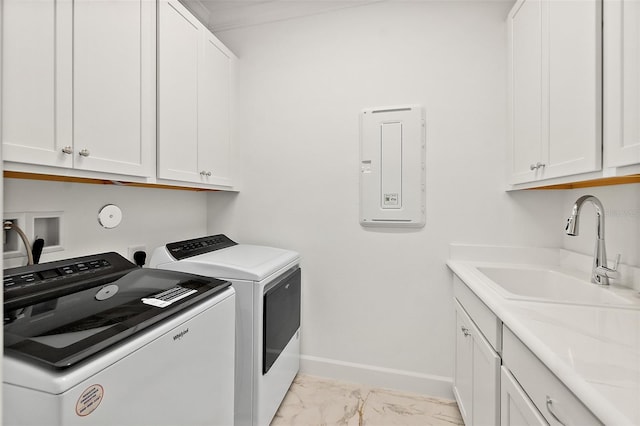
(110, 216)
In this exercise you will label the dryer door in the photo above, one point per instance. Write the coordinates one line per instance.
(281, 316)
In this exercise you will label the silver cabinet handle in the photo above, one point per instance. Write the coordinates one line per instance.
(550, 410)
(465, 331)
(84, 153)
(67, 150)
(203, 173)
(537, 166)
(208, 173)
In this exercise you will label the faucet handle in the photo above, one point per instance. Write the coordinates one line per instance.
(615, 265)
(605, 271)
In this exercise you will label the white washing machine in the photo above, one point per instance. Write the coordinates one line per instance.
(267, 284)
(96, 340)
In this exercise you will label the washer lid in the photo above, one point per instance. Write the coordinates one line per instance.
(61, 332)
(239, 262)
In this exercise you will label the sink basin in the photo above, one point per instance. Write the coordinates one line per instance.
(549, 285)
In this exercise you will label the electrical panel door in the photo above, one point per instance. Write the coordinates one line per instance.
(392, 166)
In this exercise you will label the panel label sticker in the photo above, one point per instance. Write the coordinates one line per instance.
(391, 199)
(89, 400)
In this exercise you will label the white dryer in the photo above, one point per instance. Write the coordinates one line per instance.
(267, 284)
(96, 340)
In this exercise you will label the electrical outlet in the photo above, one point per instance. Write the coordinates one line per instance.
(133, 249)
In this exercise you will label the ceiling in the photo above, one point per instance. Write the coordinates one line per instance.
(221, 15)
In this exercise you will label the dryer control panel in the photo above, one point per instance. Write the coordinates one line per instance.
(188, 248)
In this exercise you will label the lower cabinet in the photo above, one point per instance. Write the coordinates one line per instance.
(516, 409)
(477, 368)
(498, 381)
(537, 391)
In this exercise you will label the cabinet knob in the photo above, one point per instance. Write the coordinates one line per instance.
(208, 173)
(84, 153)
(465, 331)
(67, 150)
(203, 173)
(536, 166)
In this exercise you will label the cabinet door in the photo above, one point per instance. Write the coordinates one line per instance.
(178, 45)
(36, 81)
(114, 86)
(525, 81)
(515, 407)
(214, 112)
(555, 89)
(486, 380)
(476, 378)
(622, 83)
(463, 374)
(574, 86)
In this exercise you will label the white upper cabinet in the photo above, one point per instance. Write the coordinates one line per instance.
(555, 89)
(194, 88)
(79, 85)
(525, 75)
(37, 81)
(114, 86)
(178, 43)
(622, 83)
(214, 133)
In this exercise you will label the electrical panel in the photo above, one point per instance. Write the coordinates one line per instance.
(392, 166)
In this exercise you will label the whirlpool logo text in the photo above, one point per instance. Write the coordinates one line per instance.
(181, 334)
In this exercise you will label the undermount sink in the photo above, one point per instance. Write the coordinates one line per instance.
(549, 285)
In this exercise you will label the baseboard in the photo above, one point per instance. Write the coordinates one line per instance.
(406, 381)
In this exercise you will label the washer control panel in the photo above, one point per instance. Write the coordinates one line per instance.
(189, 248)
(46, 276)
(29, 284)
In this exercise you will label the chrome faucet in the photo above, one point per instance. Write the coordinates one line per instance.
(600, 273)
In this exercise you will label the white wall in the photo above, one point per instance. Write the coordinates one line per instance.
(622, 222)
(377, 301)
(151, 217)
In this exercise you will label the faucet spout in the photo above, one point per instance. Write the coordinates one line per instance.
(599, 273)
(573, 222)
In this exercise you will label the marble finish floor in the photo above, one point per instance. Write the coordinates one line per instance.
(318, 401)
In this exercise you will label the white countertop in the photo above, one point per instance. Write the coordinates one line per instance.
(594, 351)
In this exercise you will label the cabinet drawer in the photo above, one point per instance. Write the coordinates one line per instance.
(556, 403)
(485, 320)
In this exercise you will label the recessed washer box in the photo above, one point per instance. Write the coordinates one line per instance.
(12, 245)
(392, 166)
(48, 226)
